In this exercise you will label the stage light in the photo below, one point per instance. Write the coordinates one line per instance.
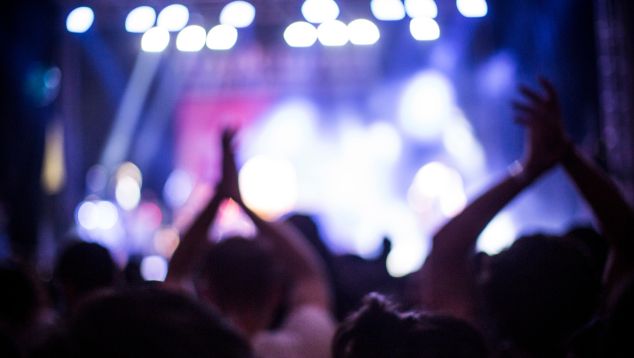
(108, 215)
(140, 19)
(178, 188)
(154, 268)
(498, 234)
(97, 214)
(472, 8)
(191, 39)
(424, 29)
(409, 245)
(238, 14)
(319, 11)
(333, 33)
(222, 37)
(127, 193)
(363, 32)
(437, 187)
(268, 185)
(129, 170)
(173, 17)
(80, 20)
(426, 105)
(421, 8)
(300, 34)
(87, 215)
(387, 10)
(155, 39)
(405, 257)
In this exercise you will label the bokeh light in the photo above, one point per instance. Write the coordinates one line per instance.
(80, 19)
(238, 14)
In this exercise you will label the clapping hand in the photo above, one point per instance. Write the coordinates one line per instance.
(228, 185)
(540, 113)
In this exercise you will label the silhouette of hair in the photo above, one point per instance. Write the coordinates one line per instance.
(19, 299)
(240, 274)
(151, 322)
(591, 244)
(85, 266)
(539, 291)
(378, 329)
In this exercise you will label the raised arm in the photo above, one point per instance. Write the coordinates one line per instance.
(309, 286)
(545, 145)
(191, 248)
(613, 215)
(446, 282)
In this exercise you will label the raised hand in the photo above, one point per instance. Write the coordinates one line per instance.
(540, 113)
(228, 185)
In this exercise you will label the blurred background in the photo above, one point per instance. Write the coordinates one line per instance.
(381, 118)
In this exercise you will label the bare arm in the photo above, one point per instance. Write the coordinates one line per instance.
(614, 216)
(192, 246)
(545, 145)
(309, 285)
(447, 278)
(189, 251)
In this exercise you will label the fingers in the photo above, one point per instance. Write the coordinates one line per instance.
(532, 95)
(524, 108)
(550, 89)
(227, 137)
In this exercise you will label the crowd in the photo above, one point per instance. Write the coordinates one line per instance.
(281, 293)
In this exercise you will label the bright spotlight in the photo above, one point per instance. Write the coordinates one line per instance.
(127, 193)
(363, 32)
(129, 170)
(426, 106)
(300, 34)
(268, 185)
(421, 8)
(387, 10)
(173, 17)
(191, 39)
(222, 37)
(405, 257)
(155, 39)
(333, 33)
(319, 11)
(80, 19)
(437, 187)
(140, 19)
(238, 14)
(424, 29)
(86, 215)
(108, 215)
(472, 8)
(497, 235)
(154, 268)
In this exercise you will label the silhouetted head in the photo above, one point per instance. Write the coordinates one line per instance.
(19, 301)
(538, 292)
(151, 322)
(378, 329)
(84, 267)
(242, 277)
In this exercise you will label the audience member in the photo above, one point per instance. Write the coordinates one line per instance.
(250, 305)
(380, 330)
